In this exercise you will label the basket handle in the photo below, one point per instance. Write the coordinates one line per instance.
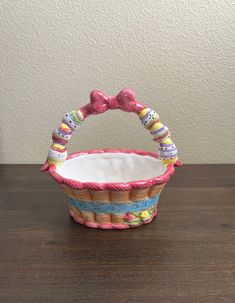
(100, 103)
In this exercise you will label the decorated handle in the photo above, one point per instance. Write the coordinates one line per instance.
(100, 103)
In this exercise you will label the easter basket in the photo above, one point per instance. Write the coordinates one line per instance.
(112, 188)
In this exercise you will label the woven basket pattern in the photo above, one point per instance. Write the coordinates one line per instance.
(127, 196)
(110, 196)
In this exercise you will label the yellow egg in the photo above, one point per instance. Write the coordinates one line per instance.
(168, 161)
(52, 162)
(63, 125)
(57, 145)
(156, 126)
(143, 112)
(167, 140)
(144, 214)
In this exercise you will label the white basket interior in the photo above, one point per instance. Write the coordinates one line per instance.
(111, 167)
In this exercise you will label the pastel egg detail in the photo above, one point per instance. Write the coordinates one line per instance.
(171, 160)
(161, 133)
(73, 119)
(143, 112)
(80, 115)
(166, 152)
(59, 134)
(155, 126)
(58, 147)
(57, 156)
(148, 117)
(166, 140)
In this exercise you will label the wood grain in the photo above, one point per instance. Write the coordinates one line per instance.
(185, 255)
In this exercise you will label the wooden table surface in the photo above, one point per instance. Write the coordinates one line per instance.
(187, 254)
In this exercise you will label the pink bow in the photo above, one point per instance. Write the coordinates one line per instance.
(100, 103)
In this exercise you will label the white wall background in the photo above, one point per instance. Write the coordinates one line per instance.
(177, 55)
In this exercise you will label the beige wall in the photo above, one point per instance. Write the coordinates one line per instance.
(177, 55)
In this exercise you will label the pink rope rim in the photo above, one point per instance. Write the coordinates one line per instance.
(119, 186)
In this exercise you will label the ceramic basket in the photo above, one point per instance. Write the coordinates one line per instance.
(112, 188)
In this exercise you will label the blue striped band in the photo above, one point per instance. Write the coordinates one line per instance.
(114, 208)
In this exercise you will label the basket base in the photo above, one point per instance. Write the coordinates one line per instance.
(87, 223)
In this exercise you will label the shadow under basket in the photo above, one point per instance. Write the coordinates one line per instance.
(112, 188)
